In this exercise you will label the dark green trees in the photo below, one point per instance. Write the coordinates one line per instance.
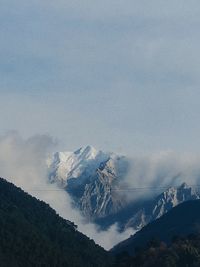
(32, 234)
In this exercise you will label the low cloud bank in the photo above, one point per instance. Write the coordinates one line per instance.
(23, 162)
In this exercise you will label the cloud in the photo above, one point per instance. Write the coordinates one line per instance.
(152, 174)
(23, 162)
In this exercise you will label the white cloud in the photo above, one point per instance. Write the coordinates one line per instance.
(152, 174)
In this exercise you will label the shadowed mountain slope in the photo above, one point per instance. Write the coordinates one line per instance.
(182, 220)
(32, 234)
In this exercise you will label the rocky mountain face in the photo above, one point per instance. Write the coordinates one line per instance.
(101, 197)
(92, 178)
(154, 209)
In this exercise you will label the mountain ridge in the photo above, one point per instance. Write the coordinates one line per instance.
(88, 175)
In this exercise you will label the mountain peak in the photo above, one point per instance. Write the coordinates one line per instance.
(67, 165)
(183, 186)
(86, 149)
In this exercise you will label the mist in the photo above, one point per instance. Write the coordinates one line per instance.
(152, 174)
(23, 162)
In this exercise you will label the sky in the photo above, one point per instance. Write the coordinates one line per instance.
(120, 75)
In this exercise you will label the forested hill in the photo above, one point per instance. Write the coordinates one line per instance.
(181, 252)
(180, 221)
(32, 234)
(172, 240)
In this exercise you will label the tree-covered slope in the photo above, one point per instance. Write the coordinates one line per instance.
(171, 241)
(181, 252)
(32, 234)
(181, 220)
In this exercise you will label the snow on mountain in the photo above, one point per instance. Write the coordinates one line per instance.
(67, 165)
(94, 180)
(100, 197)
(90, 176)
(161, 205)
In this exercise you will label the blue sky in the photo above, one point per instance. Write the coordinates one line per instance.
(120, 75)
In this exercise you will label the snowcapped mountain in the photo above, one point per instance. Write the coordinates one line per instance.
(94, 180)
(91, 177)
(83, 163)
(101, 197)
(162, 204)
